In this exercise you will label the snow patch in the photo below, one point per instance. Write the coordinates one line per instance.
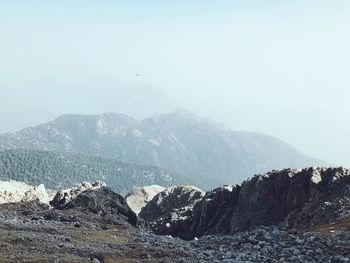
(228, 188)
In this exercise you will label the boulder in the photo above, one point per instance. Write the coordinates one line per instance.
(104, 203)
(15, 192)
(63, 197)
(170, 211)
(140, 196)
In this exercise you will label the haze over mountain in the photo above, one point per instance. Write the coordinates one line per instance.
(276, 67)
(179, 141)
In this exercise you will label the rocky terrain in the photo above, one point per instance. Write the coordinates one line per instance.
(31, 233)
(291, 198)
(295, 199)
(179, 142)
(282, 216)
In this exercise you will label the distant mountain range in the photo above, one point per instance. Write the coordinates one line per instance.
(179, 141)
(59, 170)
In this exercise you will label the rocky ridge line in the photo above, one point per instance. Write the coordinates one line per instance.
(290, 198)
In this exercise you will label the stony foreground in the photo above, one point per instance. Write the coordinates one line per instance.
(291, 198)
(31, 233)
(92, 223)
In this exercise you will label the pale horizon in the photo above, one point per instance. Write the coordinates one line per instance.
(278, 68)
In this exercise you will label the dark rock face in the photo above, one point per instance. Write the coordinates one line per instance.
(102, 202)
(212, 211)
(297, 199)
(170, 211)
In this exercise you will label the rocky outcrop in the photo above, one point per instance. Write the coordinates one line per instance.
(170, 211)
(295, 199)
(65, 196)
(211, 211)
(105, 203)
(14, 192)
(138, 197)
(96, 199)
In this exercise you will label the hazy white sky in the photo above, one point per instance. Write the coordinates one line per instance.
(277, 67)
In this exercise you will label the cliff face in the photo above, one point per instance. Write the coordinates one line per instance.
(291, 198)
(170, 211)
(297, 199)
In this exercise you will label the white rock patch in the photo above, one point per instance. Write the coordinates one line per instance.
(316, 177)
(140, 196)
(15, 192)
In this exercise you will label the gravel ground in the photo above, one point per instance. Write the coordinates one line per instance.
(34, 234)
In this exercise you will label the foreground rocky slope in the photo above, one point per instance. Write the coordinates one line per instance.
(91, 223)
(298, 199)
(294, 199)
(31, 233)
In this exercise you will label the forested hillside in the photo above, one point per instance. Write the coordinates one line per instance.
(58, 170)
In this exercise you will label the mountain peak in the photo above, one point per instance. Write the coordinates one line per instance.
(105, 115)
(185, 116)
(181, 112)
(179, 141)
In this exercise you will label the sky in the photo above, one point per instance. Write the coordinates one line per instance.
(275, 67)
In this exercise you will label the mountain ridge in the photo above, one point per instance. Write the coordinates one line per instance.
(178, 141)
